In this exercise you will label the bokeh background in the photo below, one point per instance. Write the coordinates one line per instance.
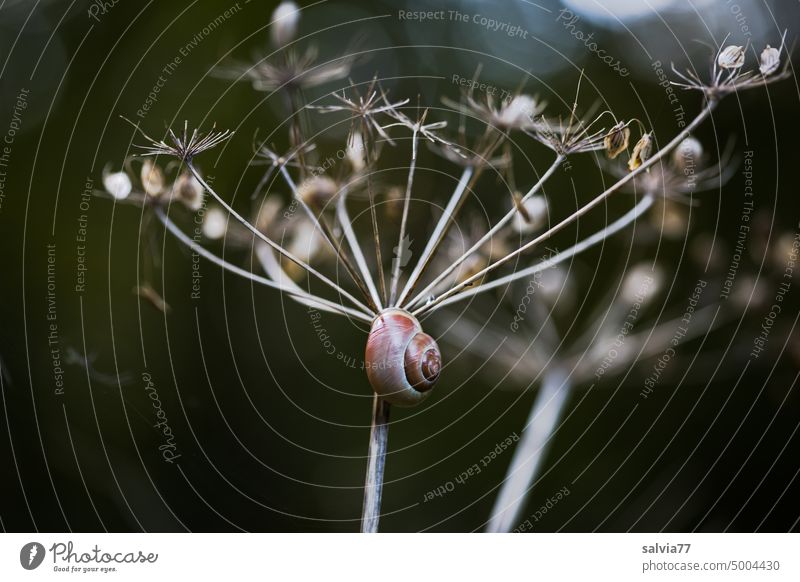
(270, 430)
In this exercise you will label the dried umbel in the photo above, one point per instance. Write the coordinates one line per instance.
(352, 274)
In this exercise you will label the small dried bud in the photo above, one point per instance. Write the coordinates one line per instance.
(732, 57)
(641, 284)
(305, 244)
(268, 212)
(687, 153)
(517, 112)
(215, 223)
(641, 151)
(118, 184)
(317, 191)
(770, 60)
(395, 197)
(152, 178)
(355, 151)
(284, 24)
(189, 191)
(531, 215)
(616, 140)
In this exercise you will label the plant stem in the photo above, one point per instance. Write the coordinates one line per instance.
(532, 447)
(376, 463)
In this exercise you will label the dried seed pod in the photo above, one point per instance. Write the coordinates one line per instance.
(402, 362)
(770, 60)
(688, 152)
(118, 184)
(215, 223)
(731, 57)
(616, 140)
(531, 215)
(189, 191)
(152, 178)
(317, 191)
(641, 151)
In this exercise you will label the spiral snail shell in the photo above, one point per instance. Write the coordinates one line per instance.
(402, 362)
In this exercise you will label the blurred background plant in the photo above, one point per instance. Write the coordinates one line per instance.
(271, 428)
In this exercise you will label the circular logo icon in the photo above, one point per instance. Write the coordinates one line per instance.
(31, 555)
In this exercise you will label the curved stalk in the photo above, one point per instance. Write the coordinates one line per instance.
(533, 445)
(311, 270)
(641, 207)
(494, 230)
(297, 293)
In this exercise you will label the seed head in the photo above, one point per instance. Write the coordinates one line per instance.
(770, 60)
(731, 57)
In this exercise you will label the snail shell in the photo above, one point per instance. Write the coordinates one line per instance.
(402, 362)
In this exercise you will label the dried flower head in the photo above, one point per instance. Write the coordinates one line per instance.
(184, 146)
(727, 75)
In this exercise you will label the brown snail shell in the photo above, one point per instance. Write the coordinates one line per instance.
(402, 362)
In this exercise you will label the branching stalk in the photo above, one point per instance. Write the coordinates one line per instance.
(532, 448)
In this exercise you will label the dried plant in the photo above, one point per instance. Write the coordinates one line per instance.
(403, 363)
